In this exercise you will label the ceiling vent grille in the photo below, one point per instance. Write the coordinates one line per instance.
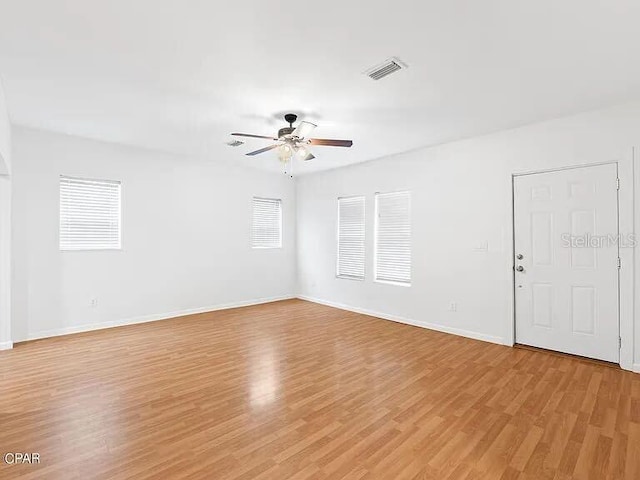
(235, 143)
(386, 68)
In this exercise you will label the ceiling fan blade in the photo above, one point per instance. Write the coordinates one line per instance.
(304, 129)
(252, 136)
(330, 143)
(262, 150)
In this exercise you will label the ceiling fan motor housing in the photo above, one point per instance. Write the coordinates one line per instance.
(285, 131)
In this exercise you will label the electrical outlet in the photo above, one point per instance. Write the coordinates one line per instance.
(453, 307)
(94, 302)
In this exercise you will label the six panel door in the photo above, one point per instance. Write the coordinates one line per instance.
(566, 281)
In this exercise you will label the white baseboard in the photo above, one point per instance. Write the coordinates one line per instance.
(416, 323)
(148, 318)
(636, 368)
(6, 345)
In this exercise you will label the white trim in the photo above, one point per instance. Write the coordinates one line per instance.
(6, 345)
(626, 278)
(149, 318)
(636, 368)
(5, 262)
(407, 321)
(561, 169)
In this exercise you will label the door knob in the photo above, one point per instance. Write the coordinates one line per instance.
(520, 268)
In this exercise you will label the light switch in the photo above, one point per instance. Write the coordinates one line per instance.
(482, 246)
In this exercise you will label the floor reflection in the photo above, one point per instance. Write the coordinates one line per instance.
(264, 376)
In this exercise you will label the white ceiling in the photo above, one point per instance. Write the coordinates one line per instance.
(180, 75)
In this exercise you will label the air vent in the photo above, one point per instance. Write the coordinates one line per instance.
(386, 68)
(235, 143)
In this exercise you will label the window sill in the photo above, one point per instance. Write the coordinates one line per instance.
(391, 282)
(346, 277)
(71, 250)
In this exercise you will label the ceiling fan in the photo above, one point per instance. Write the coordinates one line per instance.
(295, 141)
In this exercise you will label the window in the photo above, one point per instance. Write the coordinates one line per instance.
(351, 238)
(267, 223)
(393, 238)
(89, 214)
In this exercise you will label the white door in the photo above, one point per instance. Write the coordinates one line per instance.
(566, 265)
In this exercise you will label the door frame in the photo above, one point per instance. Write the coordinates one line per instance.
(625, 164)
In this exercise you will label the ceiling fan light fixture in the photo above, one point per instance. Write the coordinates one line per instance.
(284, 153)
(302, 152)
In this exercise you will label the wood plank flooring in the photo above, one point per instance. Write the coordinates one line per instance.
(294, 390)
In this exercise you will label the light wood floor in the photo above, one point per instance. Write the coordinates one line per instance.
(294, 390)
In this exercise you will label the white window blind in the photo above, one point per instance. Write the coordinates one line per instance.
(89, 214)
(351, 237)
(267, 223)
(393, 238)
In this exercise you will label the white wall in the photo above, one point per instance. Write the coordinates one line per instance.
(186, 237)
(5, 224)
(461, 197)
